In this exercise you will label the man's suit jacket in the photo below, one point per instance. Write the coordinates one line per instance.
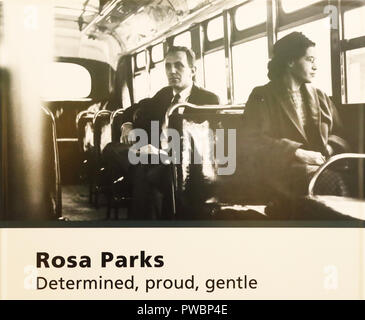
(272, 133)
(147, 110)
(145, 179)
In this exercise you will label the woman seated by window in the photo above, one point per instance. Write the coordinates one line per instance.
(290, 127)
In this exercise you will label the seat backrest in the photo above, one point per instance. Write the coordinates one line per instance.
(102, 130)
(341, 175)
(116, 124)
(52, 162)
(85, 130)
(29, 162)
(209, 163)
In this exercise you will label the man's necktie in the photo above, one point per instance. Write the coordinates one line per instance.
(176, 99)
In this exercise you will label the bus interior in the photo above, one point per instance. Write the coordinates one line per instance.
(69, 69)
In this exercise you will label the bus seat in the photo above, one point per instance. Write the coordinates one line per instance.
(85, 134)
(116, 124)
(52, 163)
(203, 188)
(330, 205)
(102, 130)
(27, 191)
(102, 136)
(117, 119)
(118, 191)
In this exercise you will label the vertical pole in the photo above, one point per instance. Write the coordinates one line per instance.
(228, 54)
(271, 25)
(337, 57)
(202, 50)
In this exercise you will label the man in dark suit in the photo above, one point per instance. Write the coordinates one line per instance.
(180, 71)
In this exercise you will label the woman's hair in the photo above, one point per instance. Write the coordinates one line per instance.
(287, 49)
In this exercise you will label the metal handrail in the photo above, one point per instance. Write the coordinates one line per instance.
(172, 109)
(115, 113)
(81, 114)
(101, 112)
(168, 114)
(324, 166)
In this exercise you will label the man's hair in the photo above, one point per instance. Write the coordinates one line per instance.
(287, 49)
(190, 55)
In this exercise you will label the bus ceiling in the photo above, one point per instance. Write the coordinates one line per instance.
(124, 25)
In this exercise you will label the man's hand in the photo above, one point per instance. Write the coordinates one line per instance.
(126, 129)
(310, 157)
(330, 150)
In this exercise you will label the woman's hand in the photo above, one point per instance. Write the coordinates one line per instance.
(310, 157)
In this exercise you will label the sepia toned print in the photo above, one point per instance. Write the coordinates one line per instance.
(246, 111)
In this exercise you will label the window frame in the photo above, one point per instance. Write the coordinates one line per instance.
(248, 34)
(182, 32)
(277, 20)
(215, 45)
(136, 68)
(286, 20)
(308, 7)
(347, 45)
(139, 71)
(153, 62)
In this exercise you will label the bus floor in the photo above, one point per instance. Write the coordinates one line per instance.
(76, 205)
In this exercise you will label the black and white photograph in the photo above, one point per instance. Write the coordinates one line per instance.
(168, 153)
(182, 110)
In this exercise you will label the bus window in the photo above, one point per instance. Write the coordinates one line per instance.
(141, 87)
(215, 29)
(141, 60)
(157, 72)
(249, 67)
(354, 23)
(215, 74)
(183, 39)
(157, 53)
(355, 75)
(199, 74)
(66, 81)
(290, 5)
(158, 77)
(319, 32)
(250, 14)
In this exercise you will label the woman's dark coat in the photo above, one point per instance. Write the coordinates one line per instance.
(272, 134)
